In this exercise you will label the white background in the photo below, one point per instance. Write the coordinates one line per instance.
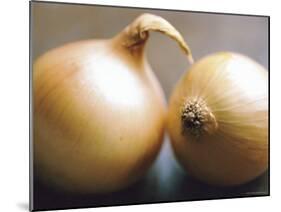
(14, 105)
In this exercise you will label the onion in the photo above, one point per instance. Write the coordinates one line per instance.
(99, 110)
(218, 119)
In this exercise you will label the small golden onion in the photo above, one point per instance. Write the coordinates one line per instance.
(218, 119)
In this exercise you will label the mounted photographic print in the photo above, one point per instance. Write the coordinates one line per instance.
(138, 105)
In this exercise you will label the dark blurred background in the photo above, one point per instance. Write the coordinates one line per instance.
(56, 24)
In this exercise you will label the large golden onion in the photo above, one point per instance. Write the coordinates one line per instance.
(99, 110)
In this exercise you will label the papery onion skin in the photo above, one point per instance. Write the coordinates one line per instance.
(99, 111)
(232, 146)
(95, 130)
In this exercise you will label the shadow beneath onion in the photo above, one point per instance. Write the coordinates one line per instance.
(192, 189)
(146, 191)
(46, 198)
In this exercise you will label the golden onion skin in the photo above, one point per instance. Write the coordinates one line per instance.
(99, 111)
(98, 119)
(232, 146)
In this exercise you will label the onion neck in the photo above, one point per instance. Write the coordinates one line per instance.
(197, 118)
(135, 35)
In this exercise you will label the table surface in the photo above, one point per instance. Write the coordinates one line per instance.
(166, 181)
